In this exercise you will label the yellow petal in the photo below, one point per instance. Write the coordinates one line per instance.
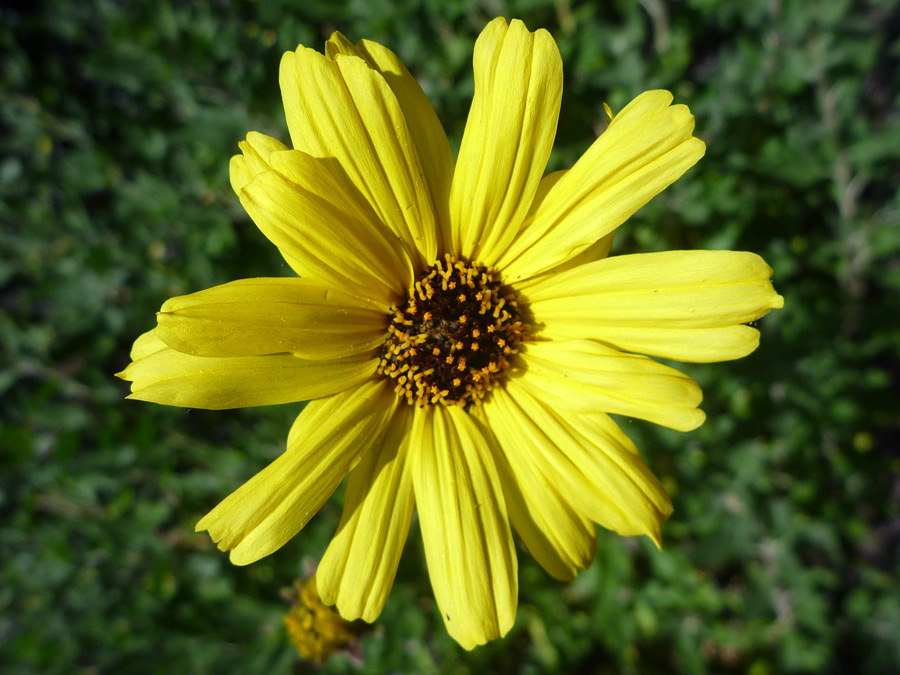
(147, 344)
(684, 305)
(358, 568)
(327, 440)
(596, 251)
(646, 148)
(169, 377)
(468, 544)
(254, 160)
(345, 212)
(592, 460)
(585, 376)
(560, 539)
(314, 216)
(507, 139)
(254, 317)
(425, 129)
(344, 110)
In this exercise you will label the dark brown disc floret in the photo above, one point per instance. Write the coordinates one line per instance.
(452, 339)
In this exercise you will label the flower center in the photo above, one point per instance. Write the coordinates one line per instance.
(450, 342)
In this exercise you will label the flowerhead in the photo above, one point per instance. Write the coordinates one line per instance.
(315, 629)
(457, 325)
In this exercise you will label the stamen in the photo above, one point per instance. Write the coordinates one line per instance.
(430, 333)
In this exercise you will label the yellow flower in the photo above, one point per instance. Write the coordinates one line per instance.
(458, 324)
(315, 629)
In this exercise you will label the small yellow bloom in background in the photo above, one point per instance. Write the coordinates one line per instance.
(458, 324)
(314, 628)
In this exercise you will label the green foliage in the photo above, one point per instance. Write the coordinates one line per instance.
(118, 120)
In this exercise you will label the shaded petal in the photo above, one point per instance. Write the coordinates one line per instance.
(309, 210)
(507, 139)
(162, 375)
(341, 108)
(425, 129)
(254, 317)
(646, 148)
(560, 538)
(543, 189)
(358, 568)
(585, 376)
(595, 463)
(684, 305)
(329, 437)
(468, 543)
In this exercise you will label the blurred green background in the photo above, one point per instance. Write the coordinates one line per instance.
(118, 120)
